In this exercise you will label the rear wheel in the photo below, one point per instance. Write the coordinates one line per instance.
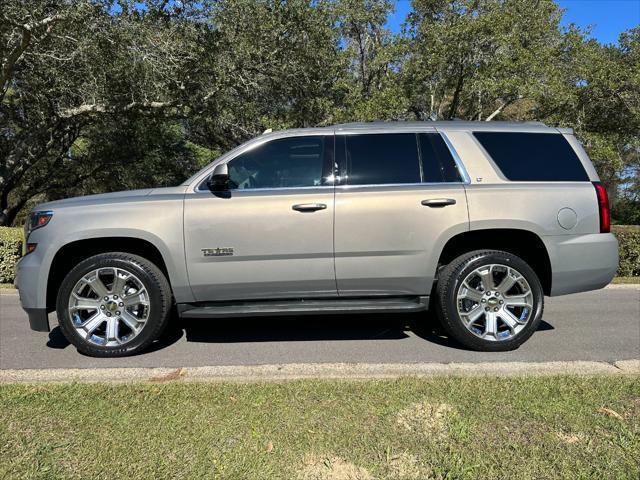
(113, 304)
(489, 300)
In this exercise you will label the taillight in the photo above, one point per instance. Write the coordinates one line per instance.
(603, 208)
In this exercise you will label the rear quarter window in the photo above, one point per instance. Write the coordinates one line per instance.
(533, 157)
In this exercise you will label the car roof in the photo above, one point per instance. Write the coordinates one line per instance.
(378, 126)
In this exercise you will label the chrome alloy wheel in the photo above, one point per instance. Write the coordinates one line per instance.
(109, 306)
(495, 302)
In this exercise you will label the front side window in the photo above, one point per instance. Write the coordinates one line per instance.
(377, 159)
(282, 163)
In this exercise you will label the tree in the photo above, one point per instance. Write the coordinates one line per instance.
(372, 57)
(474, 58)
(63, 68)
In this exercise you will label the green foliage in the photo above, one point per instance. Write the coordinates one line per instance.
(627, 211)
(629, 249)
(10, 252)
(94, 99)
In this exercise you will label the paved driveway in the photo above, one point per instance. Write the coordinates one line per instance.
(600, 326)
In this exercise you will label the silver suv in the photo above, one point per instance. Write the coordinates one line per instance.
(476, 221)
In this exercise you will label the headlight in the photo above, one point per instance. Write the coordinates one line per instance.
(36, 220)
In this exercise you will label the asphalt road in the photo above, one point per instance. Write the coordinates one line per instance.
(597, 326)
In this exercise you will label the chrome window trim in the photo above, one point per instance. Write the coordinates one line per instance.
(466, 179)
(206, 190)
(245, 147)
(423, 184)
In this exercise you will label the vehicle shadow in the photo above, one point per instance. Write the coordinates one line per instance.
(321, 328)
(297, 329)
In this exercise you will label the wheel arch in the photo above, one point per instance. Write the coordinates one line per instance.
(73, 252)
(523, 243)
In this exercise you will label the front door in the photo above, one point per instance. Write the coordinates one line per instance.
(401, 196)
(271, 235)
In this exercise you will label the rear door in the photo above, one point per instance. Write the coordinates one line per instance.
(400, 197)
(271, 235)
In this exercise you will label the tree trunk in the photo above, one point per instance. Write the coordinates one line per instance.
(456, 98)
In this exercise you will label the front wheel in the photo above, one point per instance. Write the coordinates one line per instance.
(113, 304)
(489, 300)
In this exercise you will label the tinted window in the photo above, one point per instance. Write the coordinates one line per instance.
(382, 158)
(438, 164)
(282, 163)
(533, 156)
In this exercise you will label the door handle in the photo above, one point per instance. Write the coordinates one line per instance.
(438, 202)
(309, 207)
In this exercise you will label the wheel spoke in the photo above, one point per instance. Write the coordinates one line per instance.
(507, 283)
(135, 299)
(98, 286)
(474, 314)
(518, 301)
(92, 323)
(119, 282)
(491, 324)
(130, 321)
(85, 304)
(510, 319)
(471, 293)
(112, 330)
(486, 277)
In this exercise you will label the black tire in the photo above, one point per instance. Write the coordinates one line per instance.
(160, 300)
(446, 307)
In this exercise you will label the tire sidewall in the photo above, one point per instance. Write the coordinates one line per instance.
(157, 305)
(451, 303)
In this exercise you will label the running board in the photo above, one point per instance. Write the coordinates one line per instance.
(303, 307)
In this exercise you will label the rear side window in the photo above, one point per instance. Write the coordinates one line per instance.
(437, 163)
(382, 159)
(536, 157)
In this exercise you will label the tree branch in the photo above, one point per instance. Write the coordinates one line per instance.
(102, 108)
(505, 103)
(6, 74)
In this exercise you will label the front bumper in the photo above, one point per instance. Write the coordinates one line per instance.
(28, 277)
(38, 319)
(580, 263)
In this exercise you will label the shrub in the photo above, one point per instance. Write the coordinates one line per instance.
(629, 239)
(10, 252)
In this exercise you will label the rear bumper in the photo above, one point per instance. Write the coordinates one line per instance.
(581, 262)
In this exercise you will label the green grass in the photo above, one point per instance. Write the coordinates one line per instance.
(551, 427)
(634, 280)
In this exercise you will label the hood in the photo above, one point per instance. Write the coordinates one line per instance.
(95, 199)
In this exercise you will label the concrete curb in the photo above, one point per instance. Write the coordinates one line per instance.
(623, 286)
(628, 366)
(284, 372)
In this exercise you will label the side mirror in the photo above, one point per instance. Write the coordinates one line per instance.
(219, 179)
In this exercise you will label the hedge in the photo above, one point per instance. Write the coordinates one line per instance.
(10, 252)
(628, 237)
(629, 248)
